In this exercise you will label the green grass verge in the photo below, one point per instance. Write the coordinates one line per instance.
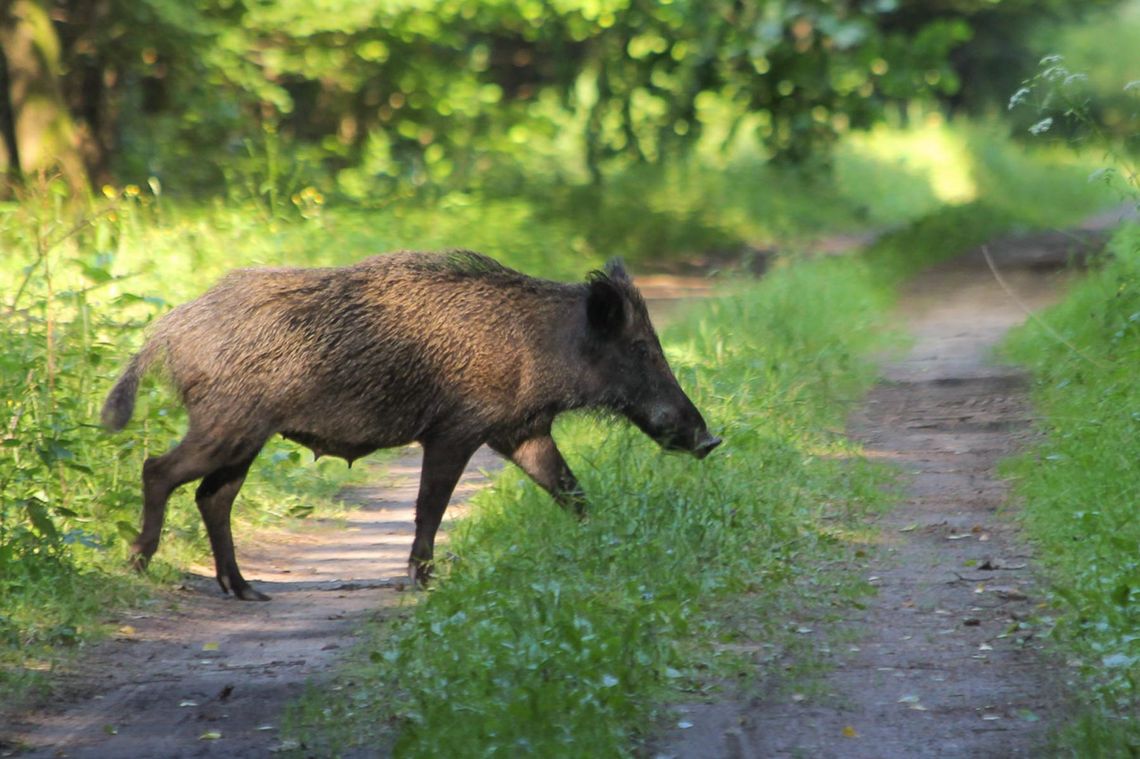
(1081, 489)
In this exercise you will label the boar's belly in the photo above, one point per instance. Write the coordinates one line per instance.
(349, 450)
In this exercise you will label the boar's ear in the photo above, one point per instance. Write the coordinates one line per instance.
(615, 270)
(605, 306)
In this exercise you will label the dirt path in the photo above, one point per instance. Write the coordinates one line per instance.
(197, 664)
(944, 660)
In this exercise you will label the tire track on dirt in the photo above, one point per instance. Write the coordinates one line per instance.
(944, 660)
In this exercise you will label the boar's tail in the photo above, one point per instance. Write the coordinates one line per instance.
(120, 403)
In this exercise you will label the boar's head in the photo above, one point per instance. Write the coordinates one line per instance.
(628, 363)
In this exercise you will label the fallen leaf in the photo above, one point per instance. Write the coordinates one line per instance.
(798, 697)
(210, 646)
(110, 729)
(909, 528)
(960, 536)
(991, 717)
(210, 735)
(908, 700)
(985, 647)
(187, 702)
(126, 630)
(1027, 715)
(849, 732)
(684, 724)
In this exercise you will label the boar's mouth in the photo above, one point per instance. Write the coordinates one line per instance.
(701, 445)
(705, 447)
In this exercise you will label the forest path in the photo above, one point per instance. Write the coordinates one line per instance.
(944, 659)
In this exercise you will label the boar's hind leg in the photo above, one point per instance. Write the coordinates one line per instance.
(215, 499)
(442, 466)
(540, 458)
(185, 462)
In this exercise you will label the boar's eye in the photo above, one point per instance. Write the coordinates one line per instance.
(641, 349)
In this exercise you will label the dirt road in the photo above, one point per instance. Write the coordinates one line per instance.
(945, 660)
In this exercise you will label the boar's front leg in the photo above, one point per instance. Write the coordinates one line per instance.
(443, 464)
(540, 458)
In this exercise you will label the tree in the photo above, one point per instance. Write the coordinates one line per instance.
(39, 133)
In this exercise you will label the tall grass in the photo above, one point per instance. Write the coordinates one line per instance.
(1081, 488)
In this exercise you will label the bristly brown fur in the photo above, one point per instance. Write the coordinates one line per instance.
(450, 350)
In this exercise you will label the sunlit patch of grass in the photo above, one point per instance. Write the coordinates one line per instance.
(930, 151)
(1081, 489)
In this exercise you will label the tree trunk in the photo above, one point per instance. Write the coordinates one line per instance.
(42, 131)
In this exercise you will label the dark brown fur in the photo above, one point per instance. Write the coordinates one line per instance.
(448, 350)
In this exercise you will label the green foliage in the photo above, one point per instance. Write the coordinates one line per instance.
(1080, 487)
(62, 487)
(1104, 49)
(69, 493)
(1064, 107)
(387, 97)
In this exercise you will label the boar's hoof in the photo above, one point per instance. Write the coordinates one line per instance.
(241, 589)
(419, 572)
(249, 594)
(139, 561)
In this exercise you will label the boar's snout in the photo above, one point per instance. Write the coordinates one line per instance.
(681, 428)
(705, 446)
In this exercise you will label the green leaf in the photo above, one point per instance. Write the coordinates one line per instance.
(38, 516)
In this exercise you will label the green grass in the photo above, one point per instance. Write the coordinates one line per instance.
(1081, 489)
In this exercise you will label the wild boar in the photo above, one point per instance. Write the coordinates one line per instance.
(449, 350)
